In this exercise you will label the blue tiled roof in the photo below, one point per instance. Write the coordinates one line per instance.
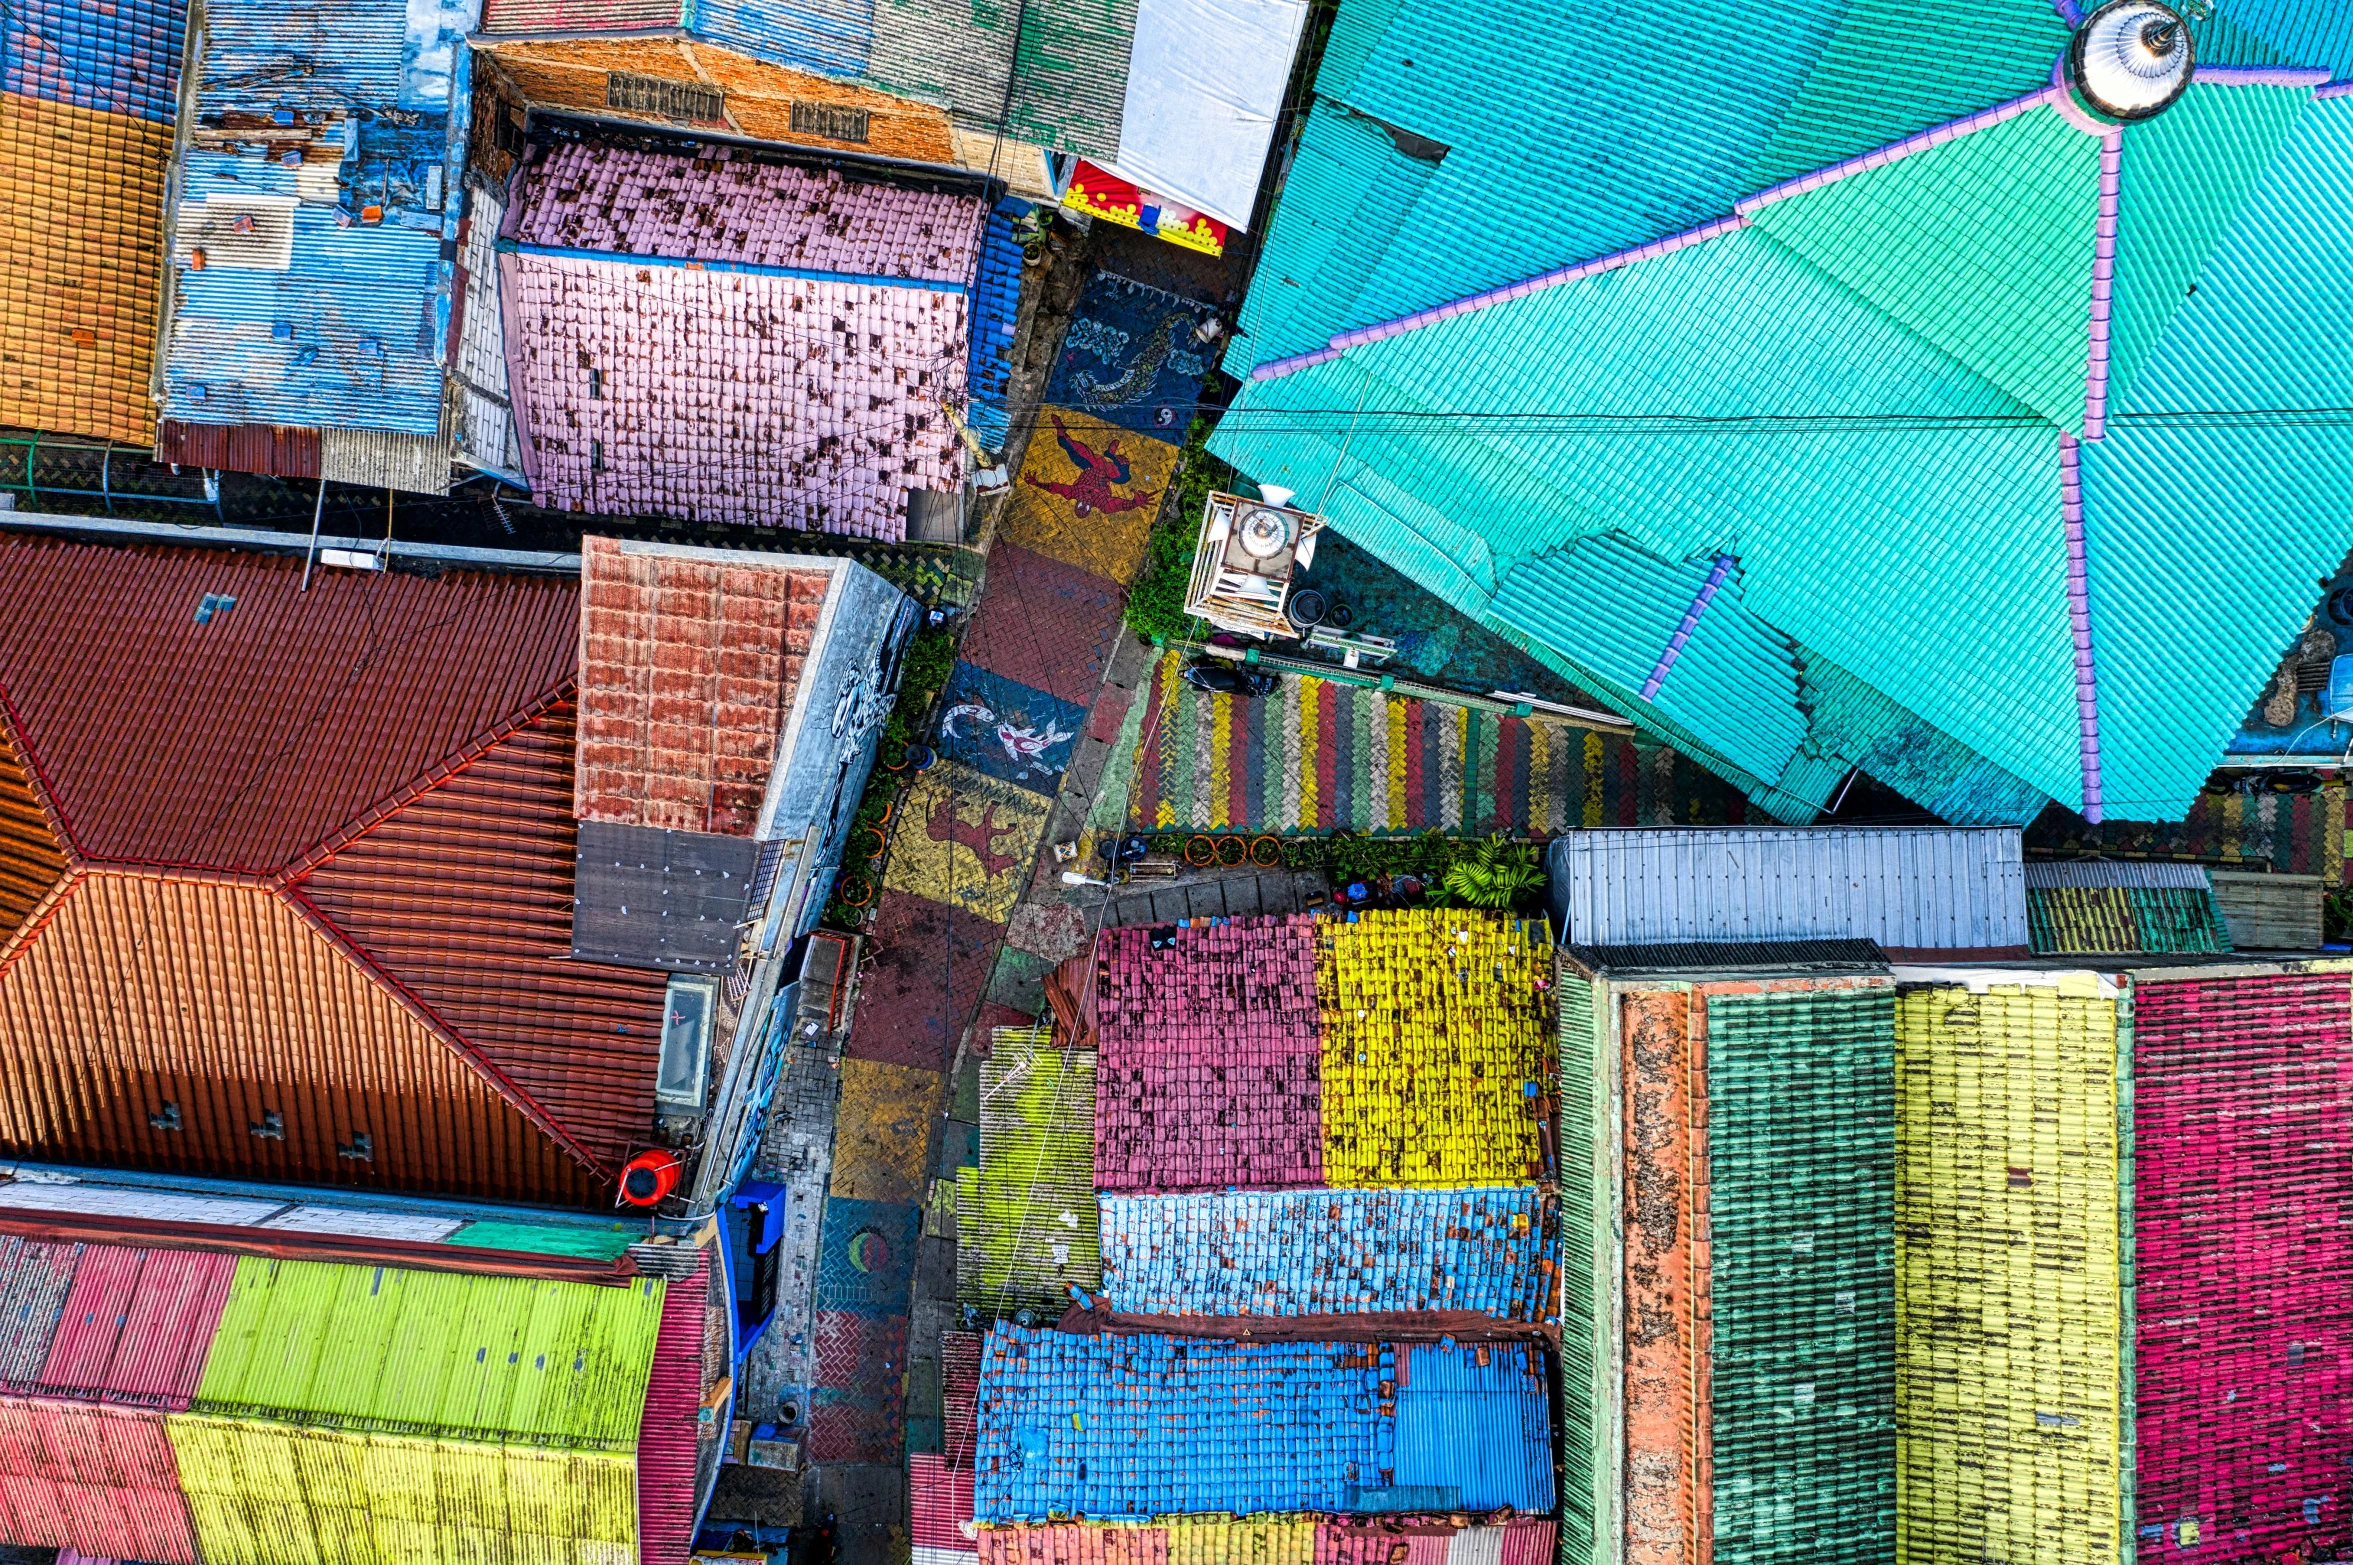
(117, 58)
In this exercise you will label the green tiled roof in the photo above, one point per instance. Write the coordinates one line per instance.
(1861, 397)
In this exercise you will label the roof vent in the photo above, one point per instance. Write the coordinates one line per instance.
(252, 232)
(2130, 59)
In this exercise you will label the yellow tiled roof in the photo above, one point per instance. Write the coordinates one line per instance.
(81, 268)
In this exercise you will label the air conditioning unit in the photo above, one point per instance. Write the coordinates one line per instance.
(1244, 564)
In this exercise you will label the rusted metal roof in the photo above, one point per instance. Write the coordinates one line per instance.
(689, 661)
(669, 1443)
(464, 899)
(34, 1280)
(99, 1480)
(242, 738)
(149, 1001)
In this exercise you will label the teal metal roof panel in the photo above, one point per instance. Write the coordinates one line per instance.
(1614, 607)
(2204, 545)
(2185, 175)
(1982, 245)
(2295, 32)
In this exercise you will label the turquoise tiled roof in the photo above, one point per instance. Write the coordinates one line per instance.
(1861, 397)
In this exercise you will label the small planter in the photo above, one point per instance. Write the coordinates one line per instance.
(1231, 851)
(920, 758)
(1266, 852)
(878, 843)
(854, 891)
(1200, 852)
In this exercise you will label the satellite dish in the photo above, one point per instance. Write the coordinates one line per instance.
(1264, 532)
(2131, 58)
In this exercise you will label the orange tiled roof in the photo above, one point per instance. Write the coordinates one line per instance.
(263, 849)
(81, 266)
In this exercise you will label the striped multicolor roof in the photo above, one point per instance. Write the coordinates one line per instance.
(2012, 374)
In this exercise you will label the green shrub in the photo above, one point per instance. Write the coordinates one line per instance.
(1156, 601)
(1494, 873)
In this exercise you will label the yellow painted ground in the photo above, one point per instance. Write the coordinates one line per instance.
(885, 1118)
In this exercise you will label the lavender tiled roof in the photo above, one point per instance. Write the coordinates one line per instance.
(733, 397)
(760, 214)
(1209, 1068)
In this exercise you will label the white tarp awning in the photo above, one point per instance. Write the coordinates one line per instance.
(1204, 84)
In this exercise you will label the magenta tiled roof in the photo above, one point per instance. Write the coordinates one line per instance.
(652, 203)
(1209, 1070)
(729, 397)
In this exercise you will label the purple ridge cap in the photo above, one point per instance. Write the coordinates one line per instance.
(1699, 606)
(1276, 369)
(1934, 136)
(2079, 615)
(2068, 11)
(2063, 102)
(2343, 89)
(2260, 76)
(2095, 376)
(1379, 331)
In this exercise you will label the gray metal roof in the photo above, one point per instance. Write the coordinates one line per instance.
(1907, 888)
(1694, 960)
(645, 897)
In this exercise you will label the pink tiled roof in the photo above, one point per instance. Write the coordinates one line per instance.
(727, 397)
(688, 667)
(652, 203)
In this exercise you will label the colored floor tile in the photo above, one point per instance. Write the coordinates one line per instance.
(857, 1409)
(1131, 356)
(1087, 493)
(927, 967)
(1319, 756)
(866, 1256)
(1007, 730)
(964, 840)
(2298, 834)
(885, 1131)
(1044, 623)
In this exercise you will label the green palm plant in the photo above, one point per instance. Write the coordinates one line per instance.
(1495, 873)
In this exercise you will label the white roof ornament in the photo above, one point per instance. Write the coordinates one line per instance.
(2130, 59)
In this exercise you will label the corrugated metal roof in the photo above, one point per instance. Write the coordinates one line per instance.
(352, 332)
(2119, 919)
(1902, 887)
(119, 58)
(1142, 1426)
(669, 1439)
(1338, 1252)
(34, 1280)
(96, 1481)
(136, 1325)
(222, 1005)
(264, 1492)
(1026, 1225)
(2151, 874)
(464, 899)
(151, 726)
(1716, 958)
(1475, 1422)
(435, 1354)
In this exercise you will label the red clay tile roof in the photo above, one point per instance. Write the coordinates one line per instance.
(464, 899)
(317, 857)
(688, 668)
(242, 742)
(141, 991)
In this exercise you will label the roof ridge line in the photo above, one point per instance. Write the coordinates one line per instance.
(375, 971)
(28, 934)
(2310, 78)
(367, 820)
(2104, 240)
(1742, 212)
(12, 734)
